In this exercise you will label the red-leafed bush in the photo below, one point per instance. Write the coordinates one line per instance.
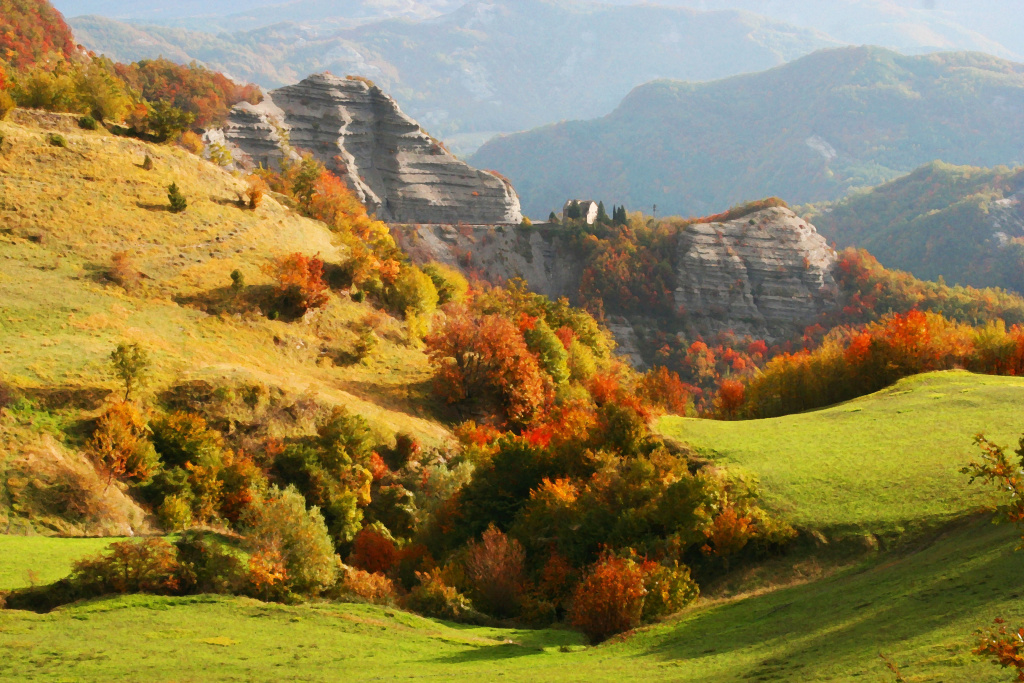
(373, 551)
(494, 569)
(610, 599)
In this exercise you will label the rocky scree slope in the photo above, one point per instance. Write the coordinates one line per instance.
(766, 274)
(397, 170)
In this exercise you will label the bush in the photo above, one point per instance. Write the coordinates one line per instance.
(494, 570)
(300, 283)
(6, 104)
(413, 292)
(289, 540)
(432, 597)
(373, 551)
(148, 566)
(184, 438)
(57, 140)
(119, 445)
(609, 600)
(255, 190)
(205, 565)
(237, 281)
(669, 589)
(87, 123)
(122, 271)
(374, 588)
(451, 285)
(177, 200)
(147, 163)
(175, 512)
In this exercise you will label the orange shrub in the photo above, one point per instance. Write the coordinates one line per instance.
(372, 587)
(609, 600)
(147, 566)
(300, 282)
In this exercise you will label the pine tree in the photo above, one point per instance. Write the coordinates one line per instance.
(553, 219)
(602, 215)
(177, 200)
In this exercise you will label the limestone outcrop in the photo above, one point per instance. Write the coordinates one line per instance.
(400, 172)
(764, 274)
(768, 274)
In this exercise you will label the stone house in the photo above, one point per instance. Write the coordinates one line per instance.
(588, 210)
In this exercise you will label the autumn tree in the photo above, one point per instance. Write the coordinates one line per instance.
(300, 283)
(131, 365)
(482, 362)
(119, 444)
(495, 568)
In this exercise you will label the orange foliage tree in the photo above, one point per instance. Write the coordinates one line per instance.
(300, 283)
(610, 599)
(32, 31)
(372, 551)
(495, 570)
(483, 362)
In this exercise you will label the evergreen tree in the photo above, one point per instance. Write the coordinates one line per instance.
(574, 213)
(553, 219)
(177, 200)
(602, 215)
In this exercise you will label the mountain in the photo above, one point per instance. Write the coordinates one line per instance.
(488, 66)
(811, 130)
(910, 26)
(960, 223)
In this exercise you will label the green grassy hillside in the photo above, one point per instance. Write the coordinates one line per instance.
(919, 608)
(882, 463)
(65, 212)
(960, 223)
(810, 130)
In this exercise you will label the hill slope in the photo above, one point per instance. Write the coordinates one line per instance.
(878, 464)
(453, 73)
(808, 131)
(962, 223)
(64, 215)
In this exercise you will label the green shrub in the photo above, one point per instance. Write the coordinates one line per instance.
(175, 512)
(413, 292)
(358, 296)
(182, 438)
(87, 123)
(147, 164)
(206, 565)
(432, 597)
(176, 199)
(57, 140)
(237, 280)
(278, 526)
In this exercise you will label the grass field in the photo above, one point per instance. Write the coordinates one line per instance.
(883, 463)
(42, 559)
(919, 608)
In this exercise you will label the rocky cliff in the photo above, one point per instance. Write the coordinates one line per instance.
(400, 173)
(764, 274)
(767, 274)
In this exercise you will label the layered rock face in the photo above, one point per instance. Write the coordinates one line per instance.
(767, 274)
(763, 274)
(400, 173)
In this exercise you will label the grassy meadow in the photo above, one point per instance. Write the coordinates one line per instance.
(882, 464)
(918, 607)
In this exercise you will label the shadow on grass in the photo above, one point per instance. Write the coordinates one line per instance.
(412, 398)
(158, 208)
(847, 619)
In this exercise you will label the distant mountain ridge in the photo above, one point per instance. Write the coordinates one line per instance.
(960, 223)
(812, 130)
(501, 65)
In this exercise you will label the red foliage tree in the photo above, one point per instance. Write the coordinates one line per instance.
(610, 599)
(373, 551)
(208, 95)
(32, 31)
(483, 362)
(300, 282)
